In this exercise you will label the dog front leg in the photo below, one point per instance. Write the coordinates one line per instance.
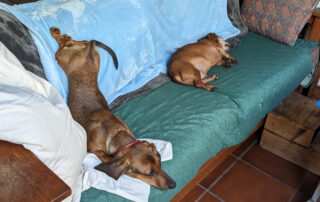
(125, 125)
(230, 60)
(103, 156)
(226, 63)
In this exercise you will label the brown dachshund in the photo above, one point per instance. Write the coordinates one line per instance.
(108, 136)
(189, 64)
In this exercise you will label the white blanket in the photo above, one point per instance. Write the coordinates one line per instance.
(33, 114)
(125, 186)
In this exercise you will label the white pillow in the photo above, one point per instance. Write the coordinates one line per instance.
(33, 113)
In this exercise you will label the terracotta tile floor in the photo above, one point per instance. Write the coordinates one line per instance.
(254, 174)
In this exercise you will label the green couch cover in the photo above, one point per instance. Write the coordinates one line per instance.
(200, 123)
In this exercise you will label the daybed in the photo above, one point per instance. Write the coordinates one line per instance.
(200, 123)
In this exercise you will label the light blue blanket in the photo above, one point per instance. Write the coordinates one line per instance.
(143, 34)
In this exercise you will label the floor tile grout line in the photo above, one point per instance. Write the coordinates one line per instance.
(302, 181)
(223, 174)
(292, 197)
(201, 195)
(299, 186)
(215, 195)
(246, 151)
(218, 179)
(208, 191)
(265, 173)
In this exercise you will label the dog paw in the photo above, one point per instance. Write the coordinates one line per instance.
(234, 61)
(229, 64)
(215, 77)
(211, 88)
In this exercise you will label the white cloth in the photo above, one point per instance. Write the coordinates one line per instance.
(33, 114)
(128, 187)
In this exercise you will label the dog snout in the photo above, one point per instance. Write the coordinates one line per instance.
(172, 185)
(55, 30)
(226, 46)
(169, 181)
(229, 45)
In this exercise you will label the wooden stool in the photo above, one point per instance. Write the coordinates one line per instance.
(292, 132)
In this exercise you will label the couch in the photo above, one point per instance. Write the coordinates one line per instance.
(199, 123)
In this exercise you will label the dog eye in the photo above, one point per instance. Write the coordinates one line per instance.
(151, 174)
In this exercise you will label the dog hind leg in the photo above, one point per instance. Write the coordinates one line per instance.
(201, 83)
(211, 78)
(188, 75)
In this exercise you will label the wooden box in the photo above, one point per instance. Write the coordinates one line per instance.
(23, 177)
(291, 132)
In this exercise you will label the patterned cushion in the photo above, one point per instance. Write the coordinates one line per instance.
(280, 20)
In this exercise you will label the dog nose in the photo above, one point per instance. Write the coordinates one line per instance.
(54, 29)
(172, 185)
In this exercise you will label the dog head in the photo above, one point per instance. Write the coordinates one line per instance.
(72, 54)
(218, 41)
(141, 161)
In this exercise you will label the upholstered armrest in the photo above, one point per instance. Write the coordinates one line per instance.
(25, 178)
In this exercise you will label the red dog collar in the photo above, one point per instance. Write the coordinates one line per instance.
(125, 146)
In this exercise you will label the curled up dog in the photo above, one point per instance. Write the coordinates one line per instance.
(108, 136)
(189, 64)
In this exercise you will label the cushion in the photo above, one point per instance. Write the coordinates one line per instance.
(33, 114)
(280, 20)
(15, 36)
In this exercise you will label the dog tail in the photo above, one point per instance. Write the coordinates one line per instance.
(109, 50)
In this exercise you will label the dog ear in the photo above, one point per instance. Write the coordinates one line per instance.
(213, 37)
(154, 148)
(67, 37)
(114, 169)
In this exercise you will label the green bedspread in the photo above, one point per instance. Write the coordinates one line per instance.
(200, 123)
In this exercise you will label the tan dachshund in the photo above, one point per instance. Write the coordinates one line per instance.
(189, 64)
(108, 135)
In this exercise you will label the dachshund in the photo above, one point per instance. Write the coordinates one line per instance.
(108, 136)
(189, 64)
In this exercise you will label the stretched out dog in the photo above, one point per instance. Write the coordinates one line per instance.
(189, 64)
(108, 135)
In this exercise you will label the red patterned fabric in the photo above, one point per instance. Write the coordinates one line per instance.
(280, 20)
